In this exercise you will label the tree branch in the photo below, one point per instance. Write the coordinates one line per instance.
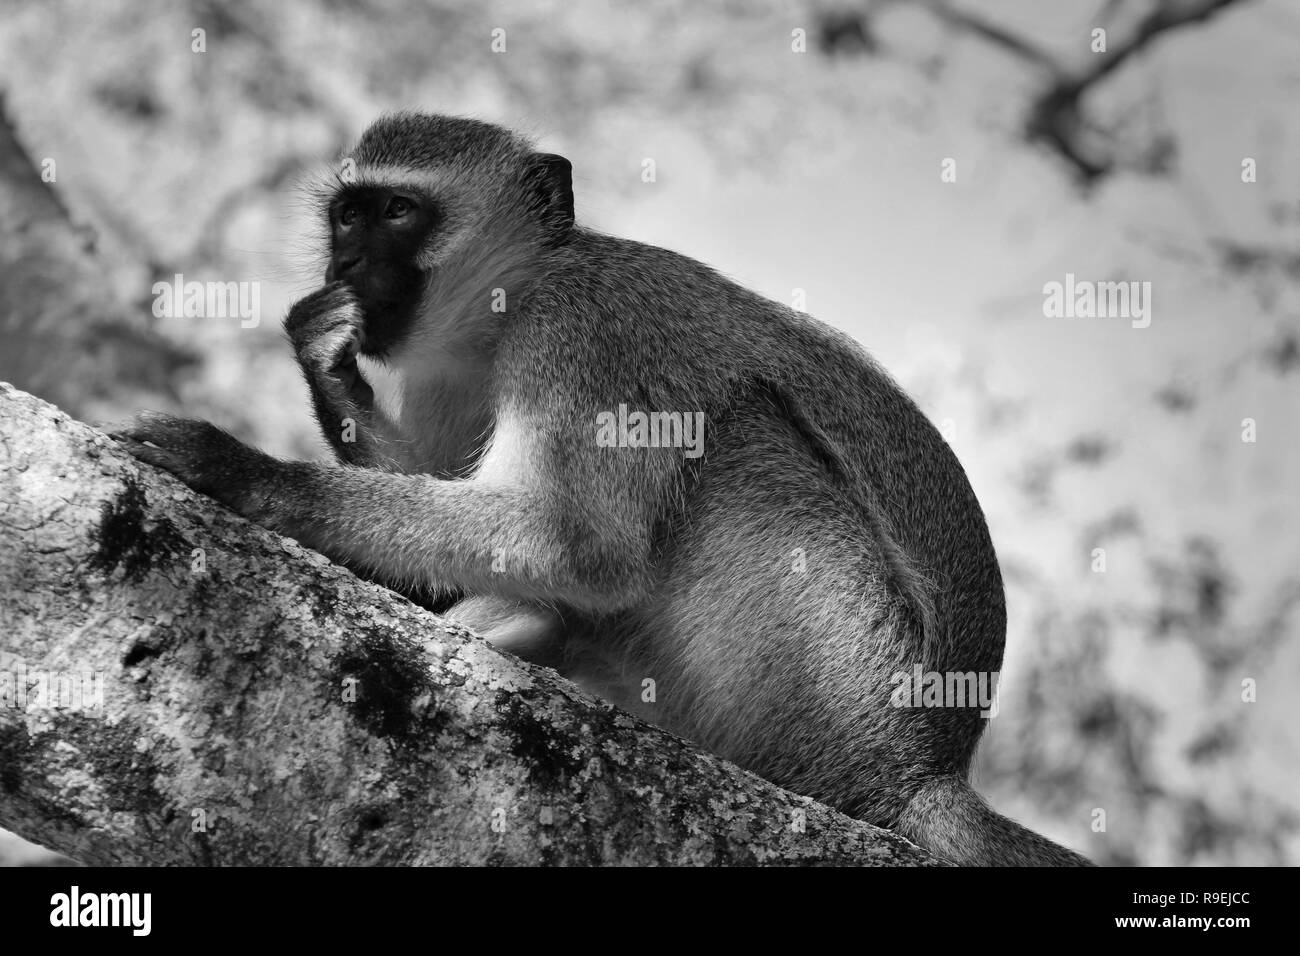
(179, 686)
(1056, 116)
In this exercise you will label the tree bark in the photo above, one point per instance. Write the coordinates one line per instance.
(179, 686)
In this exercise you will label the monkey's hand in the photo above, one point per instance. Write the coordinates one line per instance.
(209, 460)
(327, 329)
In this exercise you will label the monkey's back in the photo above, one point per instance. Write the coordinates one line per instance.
(812, 456)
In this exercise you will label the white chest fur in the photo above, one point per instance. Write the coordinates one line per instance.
(435, 417)
(388, 384)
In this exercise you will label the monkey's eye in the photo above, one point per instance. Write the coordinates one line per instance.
(397, 207)
(348, 216)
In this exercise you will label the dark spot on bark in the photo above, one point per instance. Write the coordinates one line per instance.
(202, 659)
(365, 821)
(379, 837)
(550, 756)
(548, 854)
(321, 601)
(18, 751)
(139, 652)
(124, 540)
(14, 746)
(125, 773)
(204, 845)
(390, 674)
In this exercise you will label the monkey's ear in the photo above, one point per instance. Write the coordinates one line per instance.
(550, 177)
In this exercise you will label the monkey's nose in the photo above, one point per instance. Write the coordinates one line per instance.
(339, 268)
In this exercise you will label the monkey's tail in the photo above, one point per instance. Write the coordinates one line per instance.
(951, 820)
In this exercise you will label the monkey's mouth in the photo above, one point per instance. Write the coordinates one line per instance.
(387, 322)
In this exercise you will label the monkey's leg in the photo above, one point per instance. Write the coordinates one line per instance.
(774, 642)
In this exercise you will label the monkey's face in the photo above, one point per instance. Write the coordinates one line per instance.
(377, 233)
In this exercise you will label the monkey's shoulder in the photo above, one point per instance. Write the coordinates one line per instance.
(604, 295)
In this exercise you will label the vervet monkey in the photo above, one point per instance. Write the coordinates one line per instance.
(485, 370)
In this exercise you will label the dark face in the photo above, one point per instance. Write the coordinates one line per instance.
(376, 234)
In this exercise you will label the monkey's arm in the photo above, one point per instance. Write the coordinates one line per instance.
(464, 535)
(326, 329)
(480, 536)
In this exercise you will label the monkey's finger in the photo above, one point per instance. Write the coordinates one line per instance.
(337, 300)
(148, 426)
(122, 432)
(149, 454)
(132, 446)
(144, 421)
(348, 349)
